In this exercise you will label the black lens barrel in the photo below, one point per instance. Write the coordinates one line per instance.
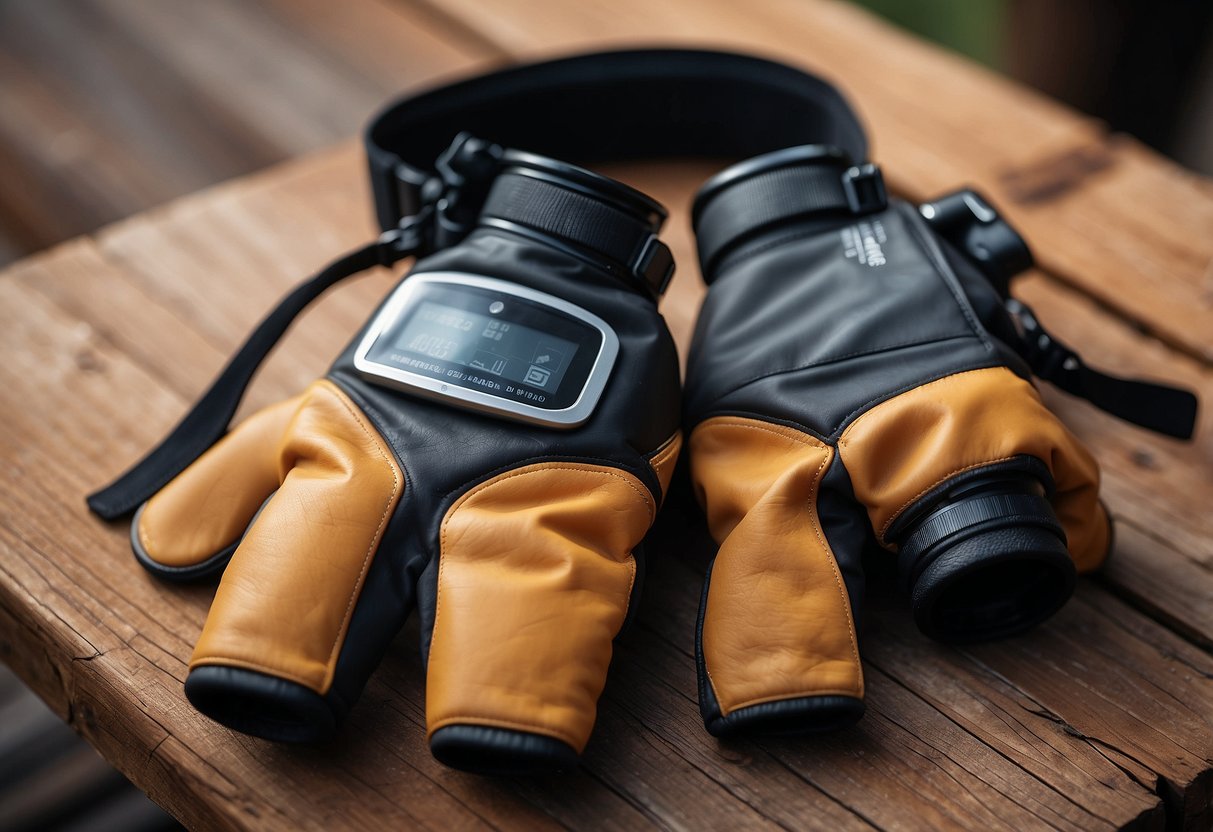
(987, 562)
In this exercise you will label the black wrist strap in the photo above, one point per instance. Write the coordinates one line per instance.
(1157, 407)
(208, 419)
(970, 223)
(792, 184)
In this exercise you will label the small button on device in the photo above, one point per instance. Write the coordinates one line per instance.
(496, 307)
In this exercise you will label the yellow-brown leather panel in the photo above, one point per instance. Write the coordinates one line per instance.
(665, 460)
(778, 622)
(534, 580)
(904, 447)
(208, 506)
(285, 600)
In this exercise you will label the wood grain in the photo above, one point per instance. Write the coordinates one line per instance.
(108, 107)
(1103, 718)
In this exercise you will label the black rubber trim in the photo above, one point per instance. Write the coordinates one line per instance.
(200, 571)
(790, 717)
(262, 705)
(485, 749)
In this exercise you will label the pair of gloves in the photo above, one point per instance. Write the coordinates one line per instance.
(855, 384)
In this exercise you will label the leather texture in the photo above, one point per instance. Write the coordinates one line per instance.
(758, 484)
(907, 446)
(846, 377)
(514, 543)
(208, 507)
(285, 601)
(560, 537)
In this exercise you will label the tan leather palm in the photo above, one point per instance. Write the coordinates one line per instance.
(286, 598)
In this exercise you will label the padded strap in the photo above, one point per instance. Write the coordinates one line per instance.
(610, 106)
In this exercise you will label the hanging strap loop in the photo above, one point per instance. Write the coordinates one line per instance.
(208, 419)
(1157, 407)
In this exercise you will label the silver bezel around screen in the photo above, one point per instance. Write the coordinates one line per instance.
(437, 390)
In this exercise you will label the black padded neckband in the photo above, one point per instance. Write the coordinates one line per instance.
(610, 106)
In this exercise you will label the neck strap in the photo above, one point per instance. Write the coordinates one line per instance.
(610, 106)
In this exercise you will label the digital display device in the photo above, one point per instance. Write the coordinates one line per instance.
(492, 346)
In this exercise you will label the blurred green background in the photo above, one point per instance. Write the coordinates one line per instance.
(971, 27)
(1143, 66)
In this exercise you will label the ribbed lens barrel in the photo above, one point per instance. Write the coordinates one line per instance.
(986, 562)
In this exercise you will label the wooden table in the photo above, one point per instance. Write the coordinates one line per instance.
(1102, 718)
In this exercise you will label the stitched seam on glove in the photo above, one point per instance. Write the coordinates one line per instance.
(884, 529)
(786, 697)
(330, 668)
(667, 449)
(844, 442)
(825, 362)
(378, 442)
(803, 439)
(507, 724)
(278, 673)
(513, 468)
(642, 496)
(944, 271)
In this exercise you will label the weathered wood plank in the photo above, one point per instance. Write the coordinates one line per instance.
(108, 107)
(939, 121)
(1076, 704)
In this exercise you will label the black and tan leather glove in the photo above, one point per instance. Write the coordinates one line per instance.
(489, 451)
(856, 383)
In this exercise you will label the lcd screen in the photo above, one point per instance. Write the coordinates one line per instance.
(502, 348)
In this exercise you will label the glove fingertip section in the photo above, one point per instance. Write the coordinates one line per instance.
(788, 717)
(262, 705)
(484, 749)
(198, 571)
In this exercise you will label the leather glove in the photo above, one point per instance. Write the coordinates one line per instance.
(333, 515)
(856, 384)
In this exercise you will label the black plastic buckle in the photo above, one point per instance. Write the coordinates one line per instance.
(864, 188)
(1049, 358)
(968, 221)
(654, 266)
(443, 209)
(409, 237)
